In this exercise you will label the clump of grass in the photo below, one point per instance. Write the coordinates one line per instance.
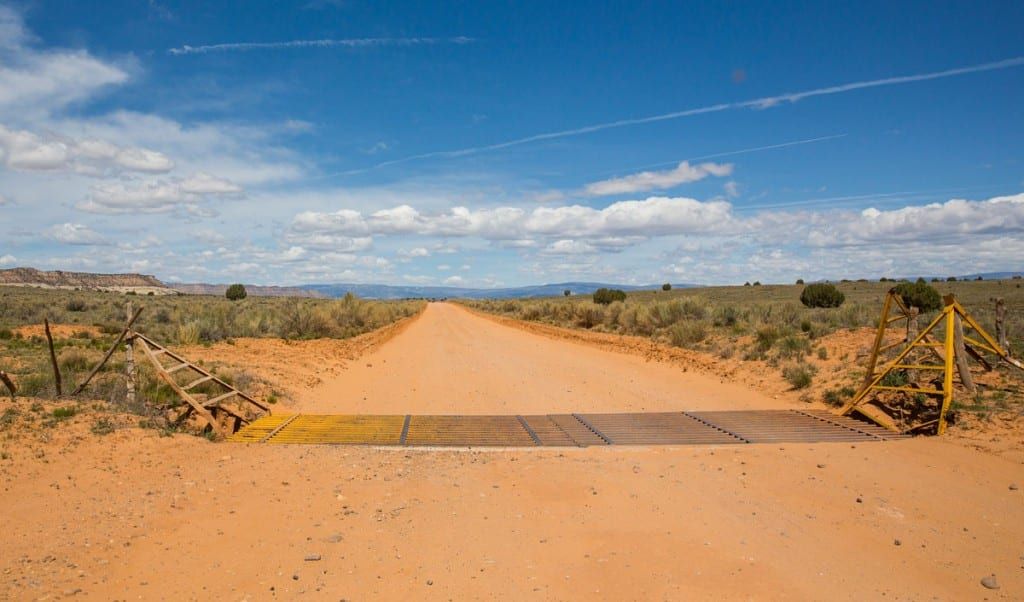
(793, 346)
(822, 353)
(103, 426)
(74, 359)
(64, 413)
(767, 336)
(687, 333)
(75, 305)
(799, 375)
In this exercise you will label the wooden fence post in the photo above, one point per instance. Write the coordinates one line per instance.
(961, 353)
(129, 363)
(53, 357)
(912, 331)
(8, 383)
(1001, 324)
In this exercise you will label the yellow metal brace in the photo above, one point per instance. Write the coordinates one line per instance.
(947, 317)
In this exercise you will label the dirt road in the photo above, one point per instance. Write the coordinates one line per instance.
(451, 361)
(133, 515)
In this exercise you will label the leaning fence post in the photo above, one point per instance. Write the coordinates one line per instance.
(912, 330)
(129, 359)
(961, 353)
(8, 383)
(53, 357)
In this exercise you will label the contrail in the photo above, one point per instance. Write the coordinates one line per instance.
(742, 151)
(344, 43)
(757, 103)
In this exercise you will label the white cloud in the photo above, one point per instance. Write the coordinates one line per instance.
(956, 218)
(34, 81)
(157, 196)
(655, 216)
(8, 259)
(75, 234)
(455, 281)
(683, 173)
(569, 247)
(414, 252)
(24, 150)
(732, 189)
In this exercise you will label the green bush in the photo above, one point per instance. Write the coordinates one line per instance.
(75, 305)
(64, 413)
(666, 287)
(799, 376)
(687, 333)
(236, 292)
(822, 294)
(607, 296)
(920, 295)
(566, 292)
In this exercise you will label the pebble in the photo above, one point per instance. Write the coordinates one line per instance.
(430, 582)
(312, 557)
(897, 542)
(990, 582)
(860, 500)
(821, 466)
(1014, 487)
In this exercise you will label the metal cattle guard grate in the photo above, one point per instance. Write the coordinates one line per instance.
(554, 430)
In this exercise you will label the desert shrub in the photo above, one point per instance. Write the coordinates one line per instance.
(920, 295)
(188, 334)
(757, 283)
(767, 336)
(163, 316)
(75, 305)
(837, 397)
(895, 378)
(822, 353)
(588, 315)
(726, 315)
(236, 292)
(74, 359)
(606, 296)
(793, 346)
(799, 376)
(799, 280)
(103, 426)
(822, 294)
(64, 413)
(687, 333)
(566, 292)
(303, 322)
(666, 287)
(6, 334)
(805, 325)
(666, 314)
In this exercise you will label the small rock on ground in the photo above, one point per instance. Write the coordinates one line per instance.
(990, 582)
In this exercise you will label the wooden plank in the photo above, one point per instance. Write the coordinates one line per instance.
(197, 382)
(196, 406)
(214, 401)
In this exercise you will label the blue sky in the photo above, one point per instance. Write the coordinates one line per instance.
(496, 144)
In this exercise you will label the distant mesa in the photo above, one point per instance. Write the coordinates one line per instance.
(141, 284)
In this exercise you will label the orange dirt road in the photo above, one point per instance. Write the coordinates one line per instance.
(132, 515)
(451, 361)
